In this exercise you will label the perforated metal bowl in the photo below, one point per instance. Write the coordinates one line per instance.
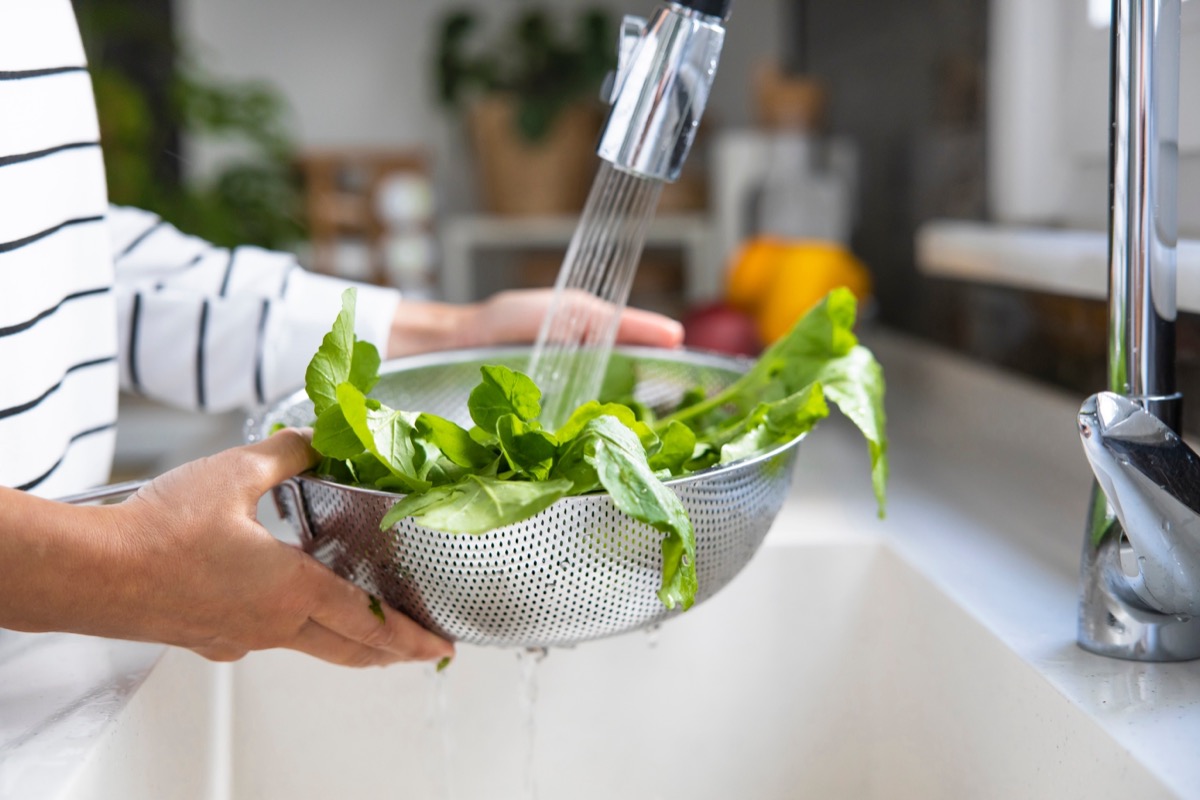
(577, 571)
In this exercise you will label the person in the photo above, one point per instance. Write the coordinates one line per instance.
(93, 298)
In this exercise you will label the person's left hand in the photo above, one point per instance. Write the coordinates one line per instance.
(510, 317)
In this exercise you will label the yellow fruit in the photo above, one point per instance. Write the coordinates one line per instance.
(803, 275)
(754, 265)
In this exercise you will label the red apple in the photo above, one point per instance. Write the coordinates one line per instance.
(721, 328)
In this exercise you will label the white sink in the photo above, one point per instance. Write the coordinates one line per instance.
(826, 670)
(928, 656)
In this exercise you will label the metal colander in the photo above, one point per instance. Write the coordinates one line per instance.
(578, 570)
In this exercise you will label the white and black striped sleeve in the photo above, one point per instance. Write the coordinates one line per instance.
(214, 329)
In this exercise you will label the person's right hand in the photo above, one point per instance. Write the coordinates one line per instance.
(195, 568)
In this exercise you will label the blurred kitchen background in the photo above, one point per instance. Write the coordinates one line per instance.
(945, 158)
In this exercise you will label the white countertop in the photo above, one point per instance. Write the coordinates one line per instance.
(1058, 261)
(987, 499)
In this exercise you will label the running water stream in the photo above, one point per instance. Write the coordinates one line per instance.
(577, 335)
(529, 659)
(438, 721)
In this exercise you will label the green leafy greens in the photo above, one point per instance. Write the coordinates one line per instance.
(508, 467)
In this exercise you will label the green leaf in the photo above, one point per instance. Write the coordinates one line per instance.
(477, 504)
(528, 449)
(377, 608)
(333, 436)
(820, 348)
(855, 383)
(341, 358)
(330, 365)
(387, 434)
(678, 443)
(616, 454)
(503, 391)
(364, 366)
(774, 424)
(368, 470)
(825, 333)
(589, 411)
(455, 442)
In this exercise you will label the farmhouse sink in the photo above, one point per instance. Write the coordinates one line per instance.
(928, 655)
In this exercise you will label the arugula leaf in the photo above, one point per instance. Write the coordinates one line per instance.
(589, 411)
(677, 448)
(341, 358)
(607, 453)
(364, 366)
(453, 441)
(855, 383)
(824, 333)
(528, 449)
(820, 348)
(503, 391)
(368, 470)
(626, 415)
(333, 436)
(477, 504)
(385, 433)
(619, 460)
(774, 424)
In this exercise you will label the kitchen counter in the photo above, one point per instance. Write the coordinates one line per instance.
(986, 502)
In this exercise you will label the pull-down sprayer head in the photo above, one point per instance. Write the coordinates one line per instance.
(665, 69)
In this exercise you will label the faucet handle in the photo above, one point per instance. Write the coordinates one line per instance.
(1152, 481)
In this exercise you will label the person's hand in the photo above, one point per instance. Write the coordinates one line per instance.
(511, 317)
(188, 564)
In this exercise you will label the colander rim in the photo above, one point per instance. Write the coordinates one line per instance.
(448, 357)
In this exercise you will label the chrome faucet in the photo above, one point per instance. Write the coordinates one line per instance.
(1141, 555)
(665, 69)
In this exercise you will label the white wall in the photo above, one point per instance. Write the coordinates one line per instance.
(1048, 115)
(357, 72)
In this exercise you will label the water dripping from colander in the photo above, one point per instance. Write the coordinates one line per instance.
(528, 659)
(438, 724)
(577, 335)
(653, 634)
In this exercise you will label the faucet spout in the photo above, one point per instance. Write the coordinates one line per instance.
(665, 71)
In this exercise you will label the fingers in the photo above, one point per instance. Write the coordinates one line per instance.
(346, 610)
(650, 329)
(516, 316)
(317, 640)
(286, 453)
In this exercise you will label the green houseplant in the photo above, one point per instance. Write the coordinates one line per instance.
(529, 96)
(146, 96)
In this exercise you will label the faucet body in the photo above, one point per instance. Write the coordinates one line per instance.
(665, 70)
(1138, 598)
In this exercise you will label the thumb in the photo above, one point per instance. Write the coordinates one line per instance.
(281, 455)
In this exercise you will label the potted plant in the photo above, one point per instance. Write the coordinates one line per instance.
(530, 99)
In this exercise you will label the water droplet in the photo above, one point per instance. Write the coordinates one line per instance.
(652, 634)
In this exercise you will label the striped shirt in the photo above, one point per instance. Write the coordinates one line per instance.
(93, 297)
